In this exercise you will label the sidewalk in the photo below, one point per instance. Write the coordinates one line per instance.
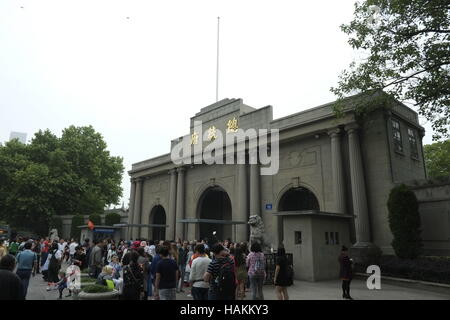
(301, 290)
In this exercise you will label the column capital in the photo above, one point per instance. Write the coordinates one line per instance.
(352, 128)
(132, 180)
(181, 169)
(333, 133)
(139, 179)
(172, 171)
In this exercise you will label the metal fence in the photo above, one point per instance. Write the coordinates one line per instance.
(271, 263)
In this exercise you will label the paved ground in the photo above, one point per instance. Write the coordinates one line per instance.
(301, 290)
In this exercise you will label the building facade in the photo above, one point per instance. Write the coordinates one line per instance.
(338, 165)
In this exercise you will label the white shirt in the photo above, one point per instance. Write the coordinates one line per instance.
(72, 247)
(198, 269)
(62, 246)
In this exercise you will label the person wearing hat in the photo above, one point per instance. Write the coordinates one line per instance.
(346, 272)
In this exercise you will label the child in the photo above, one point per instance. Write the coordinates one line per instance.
(60, 285)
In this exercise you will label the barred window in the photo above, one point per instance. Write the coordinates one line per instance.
(413, 143)
(397, 136)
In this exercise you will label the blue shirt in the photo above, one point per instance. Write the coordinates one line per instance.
(25, 260)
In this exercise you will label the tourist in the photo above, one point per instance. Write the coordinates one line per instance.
(115, 264)
(106, 274)
(133, 279)
(173, 251)
(144, 263)
(80, 256)
(36, 248)
(221, 275)
(52, 265)
(96, 259)
(345, 273)
(152, 248)
(111, 252)
(256, 264)
(283, 275)
(72, 248)
(13, 247)
(26, 265)
(45, 246)
(241, 272)
(199, 266)
(10, 283)
(167, 274)
(182, 261)
(3, 249)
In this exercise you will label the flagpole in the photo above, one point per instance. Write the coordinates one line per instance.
(217, 69)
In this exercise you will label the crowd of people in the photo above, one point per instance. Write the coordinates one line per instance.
(142, 269)
(155, 270)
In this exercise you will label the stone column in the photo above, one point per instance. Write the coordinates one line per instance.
(137, 208)
(338, 171)
(359, 196)
(170, 234)
(131, 207)
(179, 229)
(241, 229)
(255, 192)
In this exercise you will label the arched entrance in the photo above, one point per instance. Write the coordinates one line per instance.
(215, 204)
(157, 216)
(298, 199)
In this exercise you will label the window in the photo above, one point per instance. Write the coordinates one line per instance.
(332, 238)
(396, 135)
(298, 237)
(413, 143)
(327, 239)
(336, 238)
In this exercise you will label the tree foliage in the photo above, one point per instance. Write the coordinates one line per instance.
(55, 176)
(437, 159)
(112, 218)
(405, 44)
(404, 221)
(77, 220)
(95, 218)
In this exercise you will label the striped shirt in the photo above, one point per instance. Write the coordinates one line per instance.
(214, 269)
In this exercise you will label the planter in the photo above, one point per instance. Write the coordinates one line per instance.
(112, 295)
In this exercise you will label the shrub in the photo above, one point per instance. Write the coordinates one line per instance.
(77, 220)
(96, 219)
(404, 221)
(96, 288)
(112, 218)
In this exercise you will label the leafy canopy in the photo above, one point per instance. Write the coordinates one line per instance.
(406, 44)
(74, 174)
(437, 159)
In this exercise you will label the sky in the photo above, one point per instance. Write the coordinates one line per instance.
(137, 71)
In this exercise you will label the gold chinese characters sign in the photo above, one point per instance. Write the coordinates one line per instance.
(232, 125)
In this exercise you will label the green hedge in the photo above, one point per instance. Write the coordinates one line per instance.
(96, 219)
(77, 220)
(431, 269)
(112, 218)
(96, 288)
(404, 221)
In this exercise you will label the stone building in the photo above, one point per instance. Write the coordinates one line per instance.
(335, 175)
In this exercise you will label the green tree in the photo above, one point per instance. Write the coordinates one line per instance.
(96, 219)
(55, 176)
(405, 47)
(77, 220)
(404, 221)
(437, 159)
(112, 218)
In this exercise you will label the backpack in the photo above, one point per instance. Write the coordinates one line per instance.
(226, 281)
(260, 267)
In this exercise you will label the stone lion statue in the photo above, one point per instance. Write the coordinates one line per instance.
(54, 235)
(257, 233)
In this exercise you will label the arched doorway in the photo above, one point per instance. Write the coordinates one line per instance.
(298, 199)
(215, 204)
(158, 216)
